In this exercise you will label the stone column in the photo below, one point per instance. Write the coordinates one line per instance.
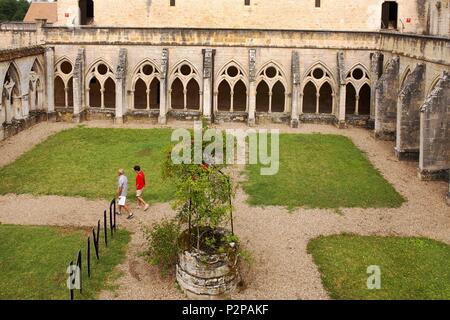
(162, 119)
(386, 96)
(410, 100)
(78, 86)
(50, 81)
(208, 81)
(434, 159)
(296, 78)
(252, 89)
(121, 87)
(342, 89)
(376, 70)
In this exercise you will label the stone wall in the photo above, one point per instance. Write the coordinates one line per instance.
(386, 94)
(410, 100)
(285, 14)
(434, 160)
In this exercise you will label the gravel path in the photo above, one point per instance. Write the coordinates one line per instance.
(276, 238)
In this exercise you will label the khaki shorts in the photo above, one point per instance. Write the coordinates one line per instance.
(139, 193)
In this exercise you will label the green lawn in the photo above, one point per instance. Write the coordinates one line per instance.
(84, 162)
(320, 171)
(34, 260)
(411, 268)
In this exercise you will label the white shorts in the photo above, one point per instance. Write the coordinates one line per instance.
(122, 201)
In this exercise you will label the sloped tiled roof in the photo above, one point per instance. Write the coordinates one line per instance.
(42, 10)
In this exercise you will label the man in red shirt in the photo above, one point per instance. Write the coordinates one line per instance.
(140, 185)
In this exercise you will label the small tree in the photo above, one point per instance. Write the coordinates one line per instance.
(203, 202)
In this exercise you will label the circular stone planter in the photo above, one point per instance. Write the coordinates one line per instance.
(204, 276)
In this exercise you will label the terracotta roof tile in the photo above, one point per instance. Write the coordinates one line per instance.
(42, 10)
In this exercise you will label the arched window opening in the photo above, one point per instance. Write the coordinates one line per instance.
(309, 98)
(232, 91)
(140, 95)
(364, 100)
(95, 94)
(318, 92)
(278, 97)
(262, 97)
(110, 94)
(193, 95)
(12, 97)
(240, 96)
(185, 88)
(60, 92)
(101, 83)
(63, 88)
(224, 97)
(273, 98)
(146, 91)
(326, 99)
(155, 94)
(177, 96)
(350, 99)
(357, 99)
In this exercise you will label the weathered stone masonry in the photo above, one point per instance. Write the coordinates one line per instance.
(386, 95)
(434, 160)
(410, 100)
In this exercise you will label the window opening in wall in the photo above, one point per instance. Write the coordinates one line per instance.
(389, 15)
(86, 11)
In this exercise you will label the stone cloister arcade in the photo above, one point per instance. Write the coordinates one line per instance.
(402, 99)
(236, 91)
(23, 92)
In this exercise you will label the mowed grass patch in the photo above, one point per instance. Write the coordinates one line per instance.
(84, 162)
(320, 171)
(411, 268)
(34, 261)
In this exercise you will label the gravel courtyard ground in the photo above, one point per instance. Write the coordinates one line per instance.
(276, 238)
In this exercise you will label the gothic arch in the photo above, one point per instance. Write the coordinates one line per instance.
(274, 77)
(36, 89)
(318, 89)
(100, 86)
(404, 76)
(12, 94)
(433, 85)
(145, 86)
(185, 92)
(231, 88)
(63, 87)
(357, 100)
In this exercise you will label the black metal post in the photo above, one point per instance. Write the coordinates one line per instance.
(79, 265)
(71, 281)
(96, 243)
(105, 228)
(115, 214)
(111, 223)
(89, 256)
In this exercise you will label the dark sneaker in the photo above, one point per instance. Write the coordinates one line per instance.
(131, 216)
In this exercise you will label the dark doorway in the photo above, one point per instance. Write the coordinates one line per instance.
(389, 15)
(86, 11)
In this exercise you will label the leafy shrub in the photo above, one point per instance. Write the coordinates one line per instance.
(163, 244)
